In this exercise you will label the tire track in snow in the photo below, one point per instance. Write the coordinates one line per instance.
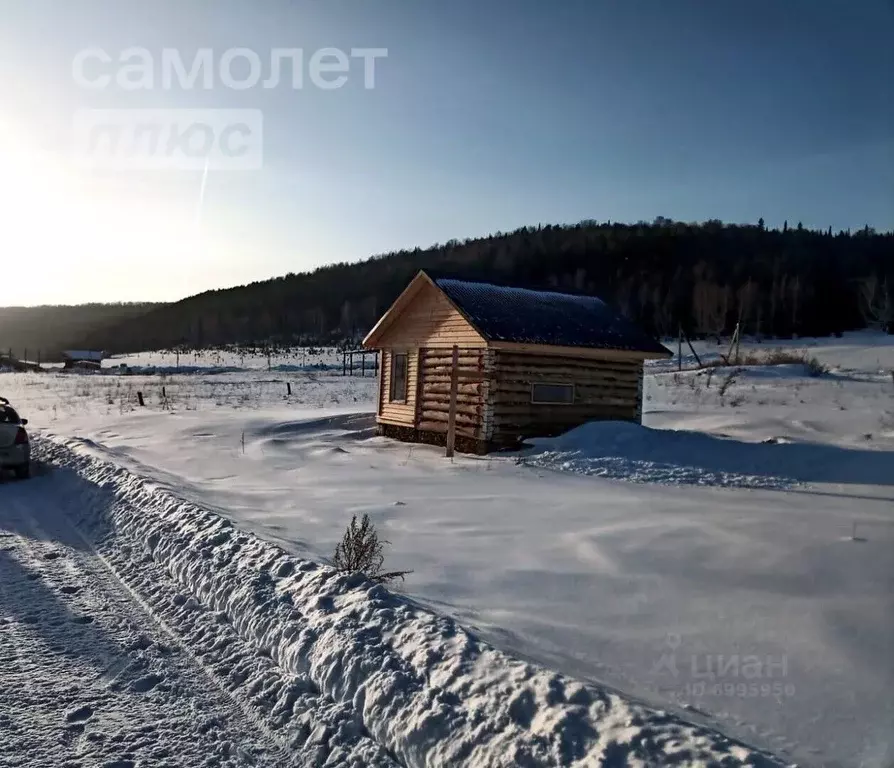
(83, 683)
(111, 579)
(53, 544)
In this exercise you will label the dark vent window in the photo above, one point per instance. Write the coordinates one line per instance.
(399, 377)
(552, 394)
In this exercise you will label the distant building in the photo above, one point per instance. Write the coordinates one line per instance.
(82, 358)
(529, 363)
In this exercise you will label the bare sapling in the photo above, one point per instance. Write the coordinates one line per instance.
(727, 382)
(362, 551)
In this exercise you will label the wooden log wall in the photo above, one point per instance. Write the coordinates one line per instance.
(603, 389)
(433, 406)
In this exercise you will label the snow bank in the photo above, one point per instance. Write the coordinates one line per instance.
(424, 689)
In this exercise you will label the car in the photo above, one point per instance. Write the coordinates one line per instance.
(15, 445)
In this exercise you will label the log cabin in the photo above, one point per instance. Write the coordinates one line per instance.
(486, 366)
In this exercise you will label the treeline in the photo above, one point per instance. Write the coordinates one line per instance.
(43, 332)
(705, 277)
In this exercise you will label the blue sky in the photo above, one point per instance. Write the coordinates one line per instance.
(486, 116)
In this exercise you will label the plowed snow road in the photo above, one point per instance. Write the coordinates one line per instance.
(87, 675)
(94, 674)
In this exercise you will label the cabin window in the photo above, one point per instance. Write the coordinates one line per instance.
(398, 377)
(543, 393)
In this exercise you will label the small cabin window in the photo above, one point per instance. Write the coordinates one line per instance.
(398, 377)
(543, 393)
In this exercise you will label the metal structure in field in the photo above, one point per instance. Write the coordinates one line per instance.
(484, 366)
(360, 362)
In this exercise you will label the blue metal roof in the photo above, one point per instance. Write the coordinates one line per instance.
(525, 316)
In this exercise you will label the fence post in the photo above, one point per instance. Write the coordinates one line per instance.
(680, 349)
(140, 399)
(692, 349)
(451, 417)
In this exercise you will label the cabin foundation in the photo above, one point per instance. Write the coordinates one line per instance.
(426, 437)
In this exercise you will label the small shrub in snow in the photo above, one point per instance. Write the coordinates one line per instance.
(815, 367)
(727, 382)
(777, 357)
(774, 357)
(361, 551)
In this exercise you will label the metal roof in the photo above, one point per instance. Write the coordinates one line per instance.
(84, 354)
(521, 315)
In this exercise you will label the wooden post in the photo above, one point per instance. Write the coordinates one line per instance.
(680, 349)
(732, 344)
(351, 369)
(694, 353)
(288, 389)
(140, 399)
(363, 364)
(738, 340)
(344, 363)
(451, 416)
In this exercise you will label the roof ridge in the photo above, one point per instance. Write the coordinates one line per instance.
(549, 291)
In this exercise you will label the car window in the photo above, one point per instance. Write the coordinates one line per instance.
(8, 415)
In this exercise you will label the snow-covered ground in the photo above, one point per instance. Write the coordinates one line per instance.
(142, 630)
(745, 573)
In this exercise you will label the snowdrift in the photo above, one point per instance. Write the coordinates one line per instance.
(627, 451)
(422, 688)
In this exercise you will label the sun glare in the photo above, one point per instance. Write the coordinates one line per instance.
(68, 237)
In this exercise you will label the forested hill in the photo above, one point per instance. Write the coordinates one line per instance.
(703, 276)
(43, 332)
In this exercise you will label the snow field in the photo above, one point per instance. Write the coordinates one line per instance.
(372, 679)
(54, 398)
(288, 359)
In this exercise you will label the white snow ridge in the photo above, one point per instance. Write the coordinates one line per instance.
(320, 669)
